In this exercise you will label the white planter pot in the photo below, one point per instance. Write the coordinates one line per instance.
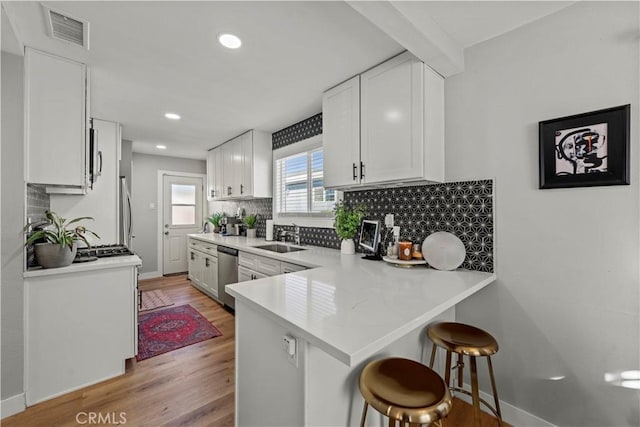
(251, 233)
(348, 247)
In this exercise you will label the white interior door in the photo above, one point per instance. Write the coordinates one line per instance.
(182, 215)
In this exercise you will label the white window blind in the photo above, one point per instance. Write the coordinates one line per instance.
(300, 185)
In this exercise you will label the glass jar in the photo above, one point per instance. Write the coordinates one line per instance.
(405, 250)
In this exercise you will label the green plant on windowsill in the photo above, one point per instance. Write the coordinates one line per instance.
(57, 246)
(347, 221)
(215, 220)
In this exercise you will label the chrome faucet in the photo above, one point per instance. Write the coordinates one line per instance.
(296, 234)
(283, 235)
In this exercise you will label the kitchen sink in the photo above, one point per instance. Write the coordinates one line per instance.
(274, 247)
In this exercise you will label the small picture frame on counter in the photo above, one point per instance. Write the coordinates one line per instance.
(585, 150)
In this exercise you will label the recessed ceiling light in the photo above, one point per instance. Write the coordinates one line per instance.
(161, 147)
(229, 41)
(172, 116)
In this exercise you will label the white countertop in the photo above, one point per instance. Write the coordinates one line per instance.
(349, 307)
(99, 264)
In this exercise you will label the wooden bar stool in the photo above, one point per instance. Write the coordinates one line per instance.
(404, 391)
(466, 340)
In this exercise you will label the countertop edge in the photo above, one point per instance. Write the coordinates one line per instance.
(367, 351)
(118, 262)
(352, 359)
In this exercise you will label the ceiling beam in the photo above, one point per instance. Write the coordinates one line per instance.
(411, 26)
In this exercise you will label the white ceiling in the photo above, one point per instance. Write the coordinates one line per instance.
(148, 58)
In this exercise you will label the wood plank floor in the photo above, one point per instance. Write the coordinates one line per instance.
(191, 386)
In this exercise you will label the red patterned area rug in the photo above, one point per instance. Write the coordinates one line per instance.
(172, 328)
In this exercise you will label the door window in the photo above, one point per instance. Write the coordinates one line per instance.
(183, 204)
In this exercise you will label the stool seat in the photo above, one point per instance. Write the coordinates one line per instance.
(463, 339)
(405, 390)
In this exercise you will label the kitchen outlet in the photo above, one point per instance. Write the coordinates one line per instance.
(388, 220)
(290, 346)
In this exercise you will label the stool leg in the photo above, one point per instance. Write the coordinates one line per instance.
(447, 369)
(392, 423)
(433, 355)
(460, 369)
(475, 395)
(494, 388)
(364, 414)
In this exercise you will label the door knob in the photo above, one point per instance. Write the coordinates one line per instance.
(166, 233)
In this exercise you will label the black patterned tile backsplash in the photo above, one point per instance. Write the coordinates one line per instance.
(297, 132)
(261, 207)
(314, 236)
(462, 208)
(38, 201)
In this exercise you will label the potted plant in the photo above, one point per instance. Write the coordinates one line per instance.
(60, 241)
(347, 220)
(215, 219)
(251, 221)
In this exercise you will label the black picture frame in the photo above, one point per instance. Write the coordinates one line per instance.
(585, 150)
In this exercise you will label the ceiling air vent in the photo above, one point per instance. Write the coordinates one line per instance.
(64, 27)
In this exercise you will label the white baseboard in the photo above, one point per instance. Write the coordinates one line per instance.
(511, 414)
(149, 275)
(12, 405)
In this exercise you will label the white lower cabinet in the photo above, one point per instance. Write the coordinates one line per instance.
(287, 267)
(80, 327)
(253, 267)
(203, 267)
(245, 274)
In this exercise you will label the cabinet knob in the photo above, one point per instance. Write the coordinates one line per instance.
(166, 233)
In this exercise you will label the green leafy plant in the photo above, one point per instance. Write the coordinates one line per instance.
(215, 218)
(61, 232)
(250, 221)
(347, 219)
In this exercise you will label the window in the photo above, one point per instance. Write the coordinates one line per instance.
(299, 184)
(183, 204)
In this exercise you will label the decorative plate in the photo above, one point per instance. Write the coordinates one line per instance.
(443, 251)
(402, 263)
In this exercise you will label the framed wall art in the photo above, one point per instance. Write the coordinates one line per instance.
(585, 150)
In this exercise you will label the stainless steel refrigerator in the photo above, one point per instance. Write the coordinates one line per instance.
(126, 217)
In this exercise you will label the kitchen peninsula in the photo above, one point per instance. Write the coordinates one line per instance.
(337, 315)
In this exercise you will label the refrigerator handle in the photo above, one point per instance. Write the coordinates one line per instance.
(130, 212)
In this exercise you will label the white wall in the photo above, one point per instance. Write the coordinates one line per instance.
(144, 192)
(13, 191)
(566, 303)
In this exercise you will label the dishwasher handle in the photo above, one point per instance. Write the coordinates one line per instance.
(228, 251)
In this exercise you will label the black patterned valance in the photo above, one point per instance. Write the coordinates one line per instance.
(297, 132)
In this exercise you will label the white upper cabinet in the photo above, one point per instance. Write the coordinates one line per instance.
(55, 121)
(341, 134)
(215, 176)
(243, 166)
(102, 202)
(390, 131)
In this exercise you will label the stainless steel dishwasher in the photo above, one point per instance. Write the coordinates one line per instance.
(227, 273)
